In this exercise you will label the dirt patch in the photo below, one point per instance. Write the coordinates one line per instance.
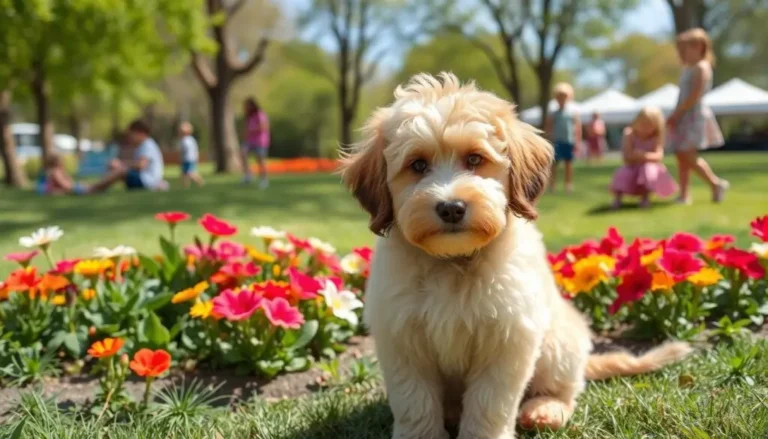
(78, 390)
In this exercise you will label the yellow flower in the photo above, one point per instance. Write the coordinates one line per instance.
(276, 270)
(606, 263)
(662, 281)
(705, 277)
(761, 250)
(94, 267)
(191, 260)
(588, 273)
(190, 293)
(88, 294)
(59, 300)
(201, 310)
(258, 256)
(652, 257)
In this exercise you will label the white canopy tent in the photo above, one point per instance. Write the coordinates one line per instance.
(737, 97)
(613, 106)
(664, 97)
(533, 115)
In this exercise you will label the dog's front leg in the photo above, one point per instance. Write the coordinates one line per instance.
(495, 390)
(414, 391)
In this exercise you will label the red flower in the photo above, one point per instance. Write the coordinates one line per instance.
(281, 313)
(272, 290)
(65, 266)
(746, 262)
(22, 258)
(216, 226)
(149, 363)
(303, 285)
(329, 261)
(337, 281)
(632, 288)
(648, 245)
(234, 273)
(685, 242)
(23, 279)
(612, 242)
(630, 261)
(587, 248)
(300, 244)
(365, 252)
(680, 264)
(236, 306)
(760, 228)
(172, 218)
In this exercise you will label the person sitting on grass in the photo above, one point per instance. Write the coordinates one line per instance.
(55, 180)
(563, 128)
(189, 156)
(643, 172)
(144, 170)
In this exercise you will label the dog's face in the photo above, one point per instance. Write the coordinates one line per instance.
(446, 164)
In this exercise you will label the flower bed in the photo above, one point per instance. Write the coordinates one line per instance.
(668, 288)
(300, 165)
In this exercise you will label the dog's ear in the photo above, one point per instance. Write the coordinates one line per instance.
(531, 163)
(364, 172)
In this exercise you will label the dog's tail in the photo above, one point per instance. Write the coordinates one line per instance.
(612, 364)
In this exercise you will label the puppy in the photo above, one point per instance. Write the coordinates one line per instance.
(461, 301)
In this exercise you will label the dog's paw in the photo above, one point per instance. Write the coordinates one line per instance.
(544, 413)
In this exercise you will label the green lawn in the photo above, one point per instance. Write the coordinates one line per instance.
(317, 205)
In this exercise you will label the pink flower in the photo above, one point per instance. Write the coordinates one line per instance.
(216, 226)
(612, 242)
(629, 262)
(65, 266)
(208, 253)
(281, 313)
(304, 286)
(329, 261)
(365, 252)
(760, 227)
(22, 258)
(648, 245)
(632, 288)
(172, 218)
(685, 242)
(236, 306)
(336, 281)
(300, 244)
(680, 264)
(746, 262)
(228, 250)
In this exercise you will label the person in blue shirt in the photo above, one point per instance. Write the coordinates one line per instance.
(563, 128)
(190, 156)
(144, 171)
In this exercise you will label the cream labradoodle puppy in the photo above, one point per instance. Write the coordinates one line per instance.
(461, 301)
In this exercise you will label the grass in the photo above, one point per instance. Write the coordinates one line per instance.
(718, 393)
(317, 205)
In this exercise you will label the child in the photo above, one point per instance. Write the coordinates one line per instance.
(55, 180)
(189, 156)
(643, 172)
(692, 126)
(563, 127)
(256, 140)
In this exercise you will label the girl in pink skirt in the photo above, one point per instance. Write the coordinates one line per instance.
(643, 172)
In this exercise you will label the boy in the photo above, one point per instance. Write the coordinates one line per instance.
(563, 128)
(189, 156)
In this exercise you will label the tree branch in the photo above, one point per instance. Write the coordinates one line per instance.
(256, 58)
(484, 47)
(203, 71)
(232, 10)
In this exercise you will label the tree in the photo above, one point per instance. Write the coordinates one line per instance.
(13, 177)
(227, 67)
(639, 62)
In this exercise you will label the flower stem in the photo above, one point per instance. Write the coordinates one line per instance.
(48, 258)
(147, 388)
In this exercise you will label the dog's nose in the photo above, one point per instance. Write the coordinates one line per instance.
(451, 211)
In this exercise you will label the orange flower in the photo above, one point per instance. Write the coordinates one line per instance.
(59, 300)
(662, 281)
(88, 293)
(4, 291)
(190, 293)
(105, 348)
(149, 363)
(652, 257)
(94, 267)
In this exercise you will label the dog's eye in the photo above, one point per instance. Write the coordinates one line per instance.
(474, 160)
(419, 166)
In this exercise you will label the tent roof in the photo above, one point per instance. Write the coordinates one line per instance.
(664, 97)
(533, 115)
(737, 97)
(612, 105)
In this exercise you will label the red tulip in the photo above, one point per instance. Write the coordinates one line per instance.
(172, 217)
(216, 226)
(760, 228)
(150, 364)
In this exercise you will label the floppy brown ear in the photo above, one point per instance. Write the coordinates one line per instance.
(364, 172)
(531, 163)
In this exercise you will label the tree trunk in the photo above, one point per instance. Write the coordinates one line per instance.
(14, 177)
(687, 15)
(223, 135)
(42, 106)
(545, 85)
(347, 118)
(76, 130)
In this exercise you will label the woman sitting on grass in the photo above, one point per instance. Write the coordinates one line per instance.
(643, 172)
(55, 179)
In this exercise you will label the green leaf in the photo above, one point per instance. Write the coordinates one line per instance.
(149, 265)
(298, 339)
(154, 331)
(72, 344)
(16, 433)
(270, 368)
(56, 341)
(298, 364)
(171, 251)
(177, 327)
(157, 302)
(109, 329)
(128, 308)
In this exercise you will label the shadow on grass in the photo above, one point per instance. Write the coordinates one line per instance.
(629, 207)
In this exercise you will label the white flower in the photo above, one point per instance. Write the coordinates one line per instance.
(281, 248)
(343, 304)
(43, 237)
(760, 249)
(352, 263)
(266, 232)
(117, 252)
(322, 246)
